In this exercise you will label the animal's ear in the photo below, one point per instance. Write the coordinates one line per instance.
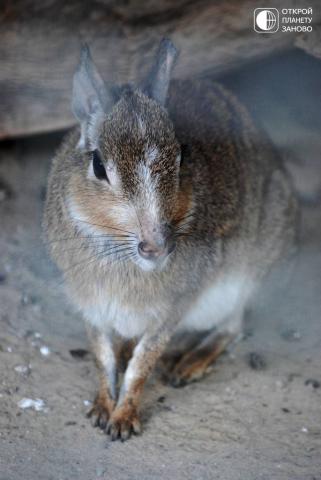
(90, 99)
(157, 83)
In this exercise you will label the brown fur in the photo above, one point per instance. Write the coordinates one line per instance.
(124, 419)
(229, 206)
(103, 404)
(124, 422)
(194, 364)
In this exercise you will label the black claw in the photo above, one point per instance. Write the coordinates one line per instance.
(115, 435)
(102, 423)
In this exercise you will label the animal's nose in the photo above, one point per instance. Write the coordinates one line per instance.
(150, 251)
(158, 243)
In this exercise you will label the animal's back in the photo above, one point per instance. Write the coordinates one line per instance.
(242, 188)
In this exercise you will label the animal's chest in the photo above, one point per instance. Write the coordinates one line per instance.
(212, 306)
(124, 319)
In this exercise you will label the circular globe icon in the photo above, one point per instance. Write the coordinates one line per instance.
(266, 20)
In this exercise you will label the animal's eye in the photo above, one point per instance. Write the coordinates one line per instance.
(185, 152)
(98, 166)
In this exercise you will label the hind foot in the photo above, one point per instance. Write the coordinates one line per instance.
(193, 365)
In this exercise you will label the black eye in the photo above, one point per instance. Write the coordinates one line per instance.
(98, 166)
(185, 153)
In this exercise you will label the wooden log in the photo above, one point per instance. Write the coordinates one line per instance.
(40, 44)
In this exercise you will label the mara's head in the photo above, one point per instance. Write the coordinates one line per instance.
(126, 192)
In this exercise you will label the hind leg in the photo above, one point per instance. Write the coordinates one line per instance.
(195, 363)
(179, 345)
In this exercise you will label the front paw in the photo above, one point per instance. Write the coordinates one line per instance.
(123, 422)
(101, 412)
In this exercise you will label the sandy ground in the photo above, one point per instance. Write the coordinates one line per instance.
(258, 419)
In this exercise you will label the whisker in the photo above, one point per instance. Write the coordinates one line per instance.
(182, 228)
(104, 226)
(94, 258)
(91, 245)
(112, 236)
(184, 217)
(127, 257)
(115, 250)
(182, 234)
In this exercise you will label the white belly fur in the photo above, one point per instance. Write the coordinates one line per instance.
(216, 304)
(126, 322)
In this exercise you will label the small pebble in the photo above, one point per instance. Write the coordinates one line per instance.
(161, 399)
(256, 361)
(291, 335)
(304, 430)
(44, 350)
(100, 471)
(87, 403)
(3, 278)
(37, 404)
(78, 353)
(28, 299)
(23, 369)
(24, 299)
(314, 383)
